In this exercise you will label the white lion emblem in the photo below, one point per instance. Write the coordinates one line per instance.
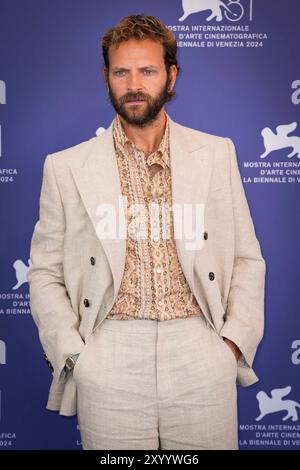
(268, 405)
(215, 6)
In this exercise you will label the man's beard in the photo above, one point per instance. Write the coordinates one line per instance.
(135, 116)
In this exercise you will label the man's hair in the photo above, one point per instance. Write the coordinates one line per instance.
(141, 27)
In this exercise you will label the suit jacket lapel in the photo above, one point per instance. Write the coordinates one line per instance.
(191, 164)
(98, 182)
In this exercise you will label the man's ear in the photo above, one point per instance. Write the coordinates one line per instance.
(172, 77)
(105, 75)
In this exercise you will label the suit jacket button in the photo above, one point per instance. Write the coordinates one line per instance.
(86, 302)
(205, 235)
(93, 261)
(211, 276)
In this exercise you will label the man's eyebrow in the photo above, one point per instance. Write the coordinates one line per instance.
(139, 68)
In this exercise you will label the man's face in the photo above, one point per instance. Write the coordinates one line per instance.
(137, 80)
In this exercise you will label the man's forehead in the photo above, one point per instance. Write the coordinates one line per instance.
(137, 48)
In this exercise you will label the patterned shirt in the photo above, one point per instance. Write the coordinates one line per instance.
(153, 285)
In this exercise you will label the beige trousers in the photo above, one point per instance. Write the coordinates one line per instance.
(147, 384)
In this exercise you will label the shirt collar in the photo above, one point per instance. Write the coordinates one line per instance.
(162, 150)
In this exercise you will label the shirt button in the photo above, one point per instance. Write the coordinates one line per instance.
(211, 276)
(86, 302)
(93, 260)
(158, 269)
(160, 302)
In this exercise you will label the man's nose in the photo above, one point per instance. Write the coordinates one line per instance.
(134, 81)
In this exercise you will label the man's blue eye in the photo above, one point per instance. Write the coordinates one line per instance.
(121, 73)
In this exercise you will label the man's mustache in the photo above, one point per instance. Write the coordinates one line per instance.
(127, 98)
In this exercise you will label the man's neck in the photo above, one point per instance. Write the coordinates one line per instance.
(149, 137)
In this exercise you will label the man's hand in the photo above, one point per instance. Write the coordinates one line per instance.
(236, 351)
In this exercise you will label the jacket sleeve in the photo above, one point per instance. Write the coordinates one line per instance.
(50, 305)
(244, 323)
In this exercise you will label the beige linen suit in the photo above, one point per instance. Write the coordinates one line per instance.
(70, 294)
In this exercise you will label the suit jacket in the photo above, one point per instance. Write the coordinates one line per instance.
(75, 273)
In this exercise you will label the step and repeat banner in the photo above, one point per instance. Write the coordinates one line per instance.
(240, 78)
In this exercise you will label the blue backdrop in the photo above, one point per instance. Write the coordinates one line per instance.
(240, 79)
